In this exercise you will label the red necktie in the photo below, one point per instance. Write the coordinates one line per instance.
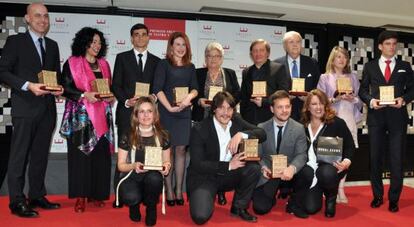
(387, 72)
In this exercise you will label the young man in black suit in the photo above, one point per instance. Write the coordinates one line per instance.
(257, 110)
(387, 119)
(215, 164)
(33, 110)
(136, 65)
(306, 67)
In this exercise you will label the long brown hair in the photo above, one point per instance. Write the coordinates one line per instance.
(329, 111)
(134, 135)
(187, 56)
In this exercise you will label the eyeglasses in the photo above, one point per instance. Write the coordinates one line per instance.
(214, 56)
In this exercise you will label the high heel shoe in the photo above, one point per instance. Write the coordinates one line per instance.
(330, 206)
(179, 202)
(80, 205)
(170, 203)
(97, 203)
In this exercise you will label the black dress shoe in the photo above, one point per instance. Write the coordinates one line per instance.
(221, 198)
(22, 210)
(134, 213)
(377, 202)
(42, 202)
(330, 206)
(243, 214)
(120, 205)
(393, 207)
(296, 210)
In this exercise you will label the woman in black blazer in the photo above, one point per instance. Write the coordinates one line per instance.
(323, 178)
(213, 75)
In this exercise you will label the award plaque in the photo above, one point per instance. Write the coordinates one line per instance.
(387, 95)
(102, 87)
(141, 89)
(180, 93)
(343, 85)
(48, 78)
(259, 89)
(279, 163)
(212, 91)
(250, 147)
(153, 158)
(298, 87)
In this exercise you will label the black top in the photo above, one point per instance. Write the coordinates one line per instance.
(125, 144)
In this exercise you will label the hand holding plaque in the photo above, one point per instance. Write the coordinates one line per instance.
(250, 147)
(48, 78)
(344, 86)
(279, 163)
(180, 93)
(101, 86)
(212, 91)
(259, 89)
(387, 95)
(298, 87)
(153, 158)
(141, 89)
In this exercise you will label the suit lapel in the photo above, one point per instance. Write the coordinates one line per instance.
(377, 71)
(132, 61)
(270, 131)
(147, 64)
(286, 134)
(395, 71)
(214, 139)
(33, 51)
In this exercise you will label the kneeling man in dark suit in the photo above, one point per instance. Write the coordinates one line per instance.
(286, 137)
(215, 164)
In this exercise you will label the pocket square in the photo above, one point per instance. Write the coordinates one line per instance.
(401, 71)
(309, 75)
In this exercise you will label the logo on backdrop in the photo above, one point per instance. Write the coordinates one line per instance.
(160, 29)
(243, 34)
(207, 30)
(120, 45)
(59, 25)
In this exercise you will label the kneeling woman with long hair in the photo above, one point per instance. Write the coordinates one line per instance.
(323, 178)
(138, 185)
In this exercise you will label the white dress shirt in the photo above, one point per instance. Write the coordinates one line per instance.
(290, 62)
(224, 137)
(143, 58)
(383, 65)
(311, 154)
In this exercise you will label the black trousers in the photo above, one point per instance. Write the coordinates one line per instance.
(242, 180)
(143, 187)
(264, 196)
(30, 145)
(328, 182)
(396, 147)
(90, 175)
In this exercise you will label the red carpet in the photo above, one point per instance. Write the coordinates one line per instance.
(356, 213)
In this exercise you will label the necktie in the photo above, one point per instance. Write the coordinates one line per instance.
(387, 72)
(140, 63)
(42, 50)
(279, 138)
(295, 72)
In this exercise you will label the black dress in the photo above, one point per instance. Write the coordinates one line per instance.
(89, 175)
(166, 78)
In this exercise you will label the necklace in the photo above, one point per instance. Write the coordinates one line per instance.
(94, 65)
(144, 129)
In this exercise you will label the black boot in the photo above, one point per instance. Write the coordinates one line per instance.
(134, 213)
(221, 198)
(151, 215)
(330, 206)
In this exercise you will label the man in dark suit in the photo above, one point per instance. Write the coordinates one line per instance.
(257, 110)
(287, 137)
(387, 119)
(136, 65)
(298, 66)
(33, 110)
(215, 164)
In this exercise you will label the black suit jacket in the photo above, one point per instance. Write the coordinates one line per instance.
(402, 78)
(276, 79)
(205, 161)
(309, 69)
(20, 62)
(232, 86)
(124, 78)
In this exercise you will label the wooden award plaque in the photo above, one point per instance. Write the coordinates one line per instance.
(180, 93)
(279, 163)
(387, 95)
(298, 87)
(142, 89)
(153, 158)
(343, 85)
(101, 86)
(212, 91)
(49, 79)
(259, 89)
(251, 149)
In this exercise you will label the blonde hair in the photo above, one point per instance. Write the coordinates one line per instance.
(330, 68)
